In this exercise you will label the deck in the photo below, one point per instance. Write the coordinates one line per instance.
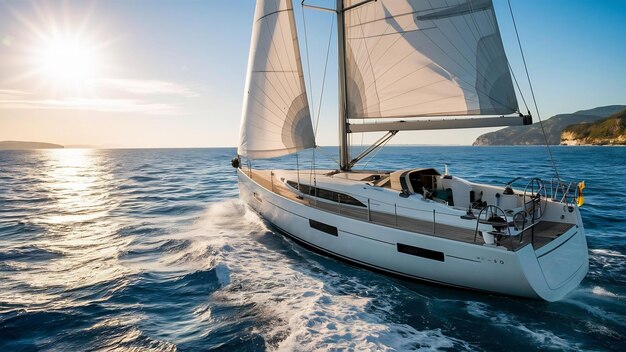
(541, 234)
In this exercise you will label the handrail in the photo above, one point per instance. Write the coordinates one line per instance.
(565, 189)
(397, 211)
(495, 212)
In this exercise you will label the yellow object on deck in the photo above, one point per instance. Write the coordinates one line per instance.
(580, 200)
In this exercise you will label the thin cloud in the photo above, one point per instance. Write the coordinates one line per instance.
(99, 105)
(6, 94)
(149, 86)
(135, 102)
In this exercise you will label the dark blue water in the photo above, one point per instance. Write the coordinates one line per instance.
(152, 250)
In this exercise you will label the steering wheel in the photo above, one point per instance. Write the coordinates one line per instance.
(535, 198)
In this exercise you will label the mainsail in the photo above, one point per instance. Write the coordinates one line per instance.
(276, 117)
(417, 58)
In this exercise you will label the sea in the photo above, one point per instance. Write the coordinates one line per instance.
(152, 250)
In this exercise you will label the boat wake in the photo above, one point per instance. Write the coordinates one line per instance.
(502, 320)
(298, 303)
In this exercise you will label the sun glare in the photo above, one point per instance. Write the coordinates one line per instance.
(67, 61)
(63, 53)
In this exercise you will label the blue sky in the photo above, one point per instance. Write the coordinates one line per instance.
(171, 73)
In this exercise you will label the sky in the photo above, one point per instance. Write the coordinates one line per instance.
(145, 74)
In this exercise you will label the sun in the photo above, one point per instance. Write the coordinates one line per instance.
(67, 61)
(61, 53)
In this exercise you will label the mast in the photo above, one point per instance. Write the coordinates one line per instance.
(344, 152)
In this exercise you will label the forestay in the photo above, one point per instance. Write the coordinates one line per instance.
(276, 118)
(425, 58)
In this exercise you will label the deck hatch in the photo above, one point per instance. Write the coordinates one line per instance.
(331, 230)
(421, 252)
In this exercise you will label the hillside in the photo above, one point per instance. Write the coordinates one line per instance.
(609, 131)
(13, 145)
(532, 135)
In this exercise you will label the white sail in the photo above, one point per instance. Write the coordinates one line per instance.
(411, 58)
(276, 118)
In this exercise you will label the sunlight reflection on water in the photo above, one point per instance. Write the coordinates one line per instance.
(77, 230)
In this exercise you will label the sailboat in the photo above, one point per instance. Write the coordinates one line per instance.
(405, 65)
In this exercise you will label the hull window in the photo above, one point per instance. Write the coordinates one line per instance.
(326, 194)
(331, 230)
(420, 252)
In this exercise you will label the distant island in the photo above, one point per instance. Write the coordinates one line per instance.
(16, 145)
(532, 135)
(608, 131)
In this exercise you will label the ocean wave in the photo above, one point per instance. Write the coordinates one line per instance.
(148, 250)
(29, 253)
(502, 320)
(305, 309)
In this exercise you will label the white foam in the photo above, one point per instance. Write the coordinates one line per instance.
(599, 291)
(223, 274)
(305, 303)
(607, 252)
(605, 261)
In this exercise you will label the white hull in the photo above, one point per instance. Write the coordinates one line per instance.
(548, 273)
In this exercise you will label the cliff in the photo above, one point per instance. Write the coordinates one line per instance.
(608, 131)
(532, 135)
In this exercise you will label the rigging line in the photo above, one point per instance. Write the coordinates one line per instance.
(298, 170)
(517, 85)
(376, 153)
(326, 155)
(314, 177)
(308, 60)
(312, 167)
(362, 134)
(319, 109)
(310, 80)
(532, 92)
(350, 146)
